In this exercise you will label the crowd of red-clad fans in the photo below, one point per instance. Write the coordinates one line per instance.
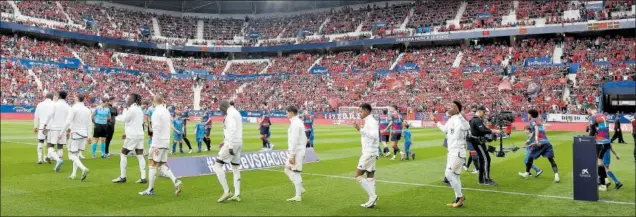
(246, 68)
(18, 87)
(386, 20)
(212, 65)
(480, 75)
(295, 63)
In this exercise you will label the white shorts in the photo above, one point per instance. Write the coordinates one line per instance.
(52, 137)
(367, 163)
(298, 164)
(132, 144)
(77, 141)
(455, 161)
(226, 157)
(159, 157)
(41, 135)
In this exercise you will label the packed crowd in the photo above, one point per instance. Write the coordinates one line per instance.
(178, 27)
(222, 29)
(441, 57)
(390, 17)
(246, 68)
(607, 48)
(212, 65)
(529, 48)
(18, 87)
(433, 13)
(295, 63)
(144, 63)
(29, 48)
(428, 15)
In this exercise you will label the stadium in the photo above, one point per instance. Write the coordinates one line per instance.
(420, 60)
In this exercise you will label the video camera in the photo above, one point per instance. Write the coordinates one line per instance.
(502, 119)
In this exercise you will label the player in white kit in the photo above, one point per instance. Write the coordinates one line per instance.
(370, 140)
(230, 151)
(53, 128)
(42, 111)
(79, 123)
(158, 155)
(133, 138)
(296, 143)
(456, 129)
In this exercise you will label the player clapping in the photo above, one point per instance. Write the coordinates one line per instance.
(370, 141)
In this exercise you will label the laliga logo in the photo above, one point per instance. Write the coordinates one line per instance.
(583, 140)
(22, 109)
(585, 173)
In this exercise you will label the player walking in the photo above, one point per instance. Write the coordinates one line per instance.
(407, 142)
(396, 131)
(541, 147)
(370, 141)
(78, 122)
(207, 119)
(599, 128)
(384, 133)
(177, 135)
(230, 150)
(607, 159)
(147, 115)
(264, 129)
(133, 138)
(42, 111)
(456, 129)
(309, 129)
(54, 124)
(296, 143)
(199, 131)
(158, 155)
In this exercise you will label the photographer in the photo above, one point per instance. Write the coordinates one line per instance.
(478, 133)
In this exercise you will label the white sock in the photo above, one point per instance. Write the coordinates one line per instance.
(40, 151)
(166, 171)
(236, 174)
(152, 176)
(123, 162)
(77, 161)
(298, 184)
(53, 154)
(74, 173)
(291, 176)
(220, 174)
(371, 183)
(365, 185)
(142, 166)
(455, 183)
(60, 153)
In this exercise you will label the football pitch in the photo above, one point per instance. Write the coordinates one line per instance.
(405, 188)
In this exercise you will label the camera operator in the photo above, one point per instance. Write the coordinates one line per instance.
(478, 133)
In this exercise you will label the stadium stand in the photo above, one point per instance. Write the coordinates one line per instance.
(296, 63)
(222, 29)
(346, 20)
(177, 27)
(433, 13)
(42, 9)
(307, 22)
(212, 65)
(5, 7)
(268, 28)
(18, 87)
(246, 68)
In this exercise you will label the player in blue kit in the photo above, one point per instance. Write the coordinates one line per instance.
(540, 146)
(309, 129)
(407, 142)
(185, 116)
(607, 158)
(147, 115)
(199, 131)
(207, 122)
(177, 128)
(264, 129)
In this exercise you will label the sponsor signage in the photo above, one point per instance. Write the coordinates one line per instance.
(17, 109)
(203, 165)
(568, 118)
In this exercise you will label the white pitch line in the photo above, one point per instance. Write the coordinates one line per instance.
(470, 189)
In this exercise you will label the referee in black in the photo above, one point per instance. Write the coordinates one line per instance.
(111, 125)
(478, 132)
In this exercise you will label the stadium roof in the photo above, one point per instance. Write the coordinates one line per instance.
(237, 6)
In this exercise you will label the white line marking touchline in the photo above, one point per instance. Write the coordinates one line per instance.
(425, 185)
(470, 189)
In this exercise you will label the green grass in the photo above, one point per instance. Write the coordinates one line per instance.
(405, 188)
